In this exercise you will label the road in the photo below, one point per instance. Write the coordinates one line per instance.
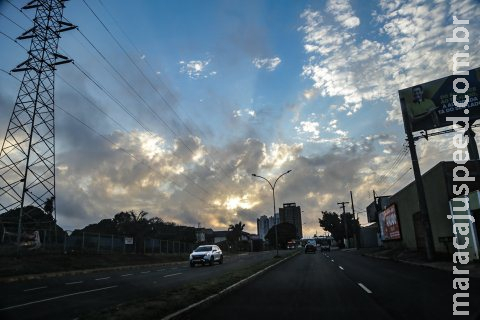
(343, 285)
(68, 297)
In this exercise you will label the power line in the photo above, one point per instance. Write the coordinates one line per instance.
(144, 75)
(1, 14)
(384, 193)
(117, 102)
(118, 147)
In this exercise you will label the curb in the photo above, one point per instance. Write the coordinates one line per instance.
(224, 291)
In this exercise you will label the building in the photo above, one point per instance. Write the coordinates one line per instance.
(292, 213)
(401, 223)
(273, 220)
(262, 226)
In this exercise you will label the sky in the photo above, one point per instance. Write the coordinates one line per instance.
(198, 95)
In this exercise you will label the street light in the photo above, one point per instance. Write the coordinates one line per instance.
(274, 208)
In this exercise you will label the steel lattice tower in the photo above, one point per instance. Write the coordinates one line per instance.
(27, 157)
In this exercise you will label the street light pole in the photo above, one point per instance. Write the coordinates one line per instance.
(274, 206)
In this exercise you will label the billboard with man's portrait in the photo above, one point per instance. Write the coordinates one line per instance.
(429, 104)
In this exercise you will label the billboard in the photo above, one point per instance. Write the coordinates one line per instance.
(389, 224)
(427, 105)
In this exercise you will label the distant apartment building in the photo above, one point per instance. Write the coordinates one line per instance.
(262, 226)
(274, 220)
(292, 213)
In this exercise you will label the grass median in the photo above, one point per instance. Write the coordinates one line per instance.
(169, 301)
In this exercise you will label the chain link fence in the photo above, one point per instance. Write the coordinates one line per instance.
(105, 243)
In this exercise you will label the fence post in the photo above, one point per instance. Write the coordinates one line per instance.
(98, 243)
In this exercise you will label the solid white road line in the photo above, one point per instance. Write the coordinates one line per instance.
(102, 278)
(340, 267)
(126, 275)
(55, 298)
(364, 288)
(33, 289)
(173, 274)
(75, 282)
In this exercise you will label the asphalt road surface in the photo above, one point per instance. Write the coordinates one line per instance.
(343, 285)
(68, 297)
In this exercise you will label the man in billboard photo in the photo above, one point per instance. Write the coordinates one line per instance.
(422, 108)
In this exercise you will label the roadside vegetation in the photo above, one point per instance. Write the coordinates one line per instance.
(40, 263)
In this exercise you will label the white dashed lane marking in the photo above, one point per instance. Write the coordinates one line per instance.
(340, 267)
(55, 298)
(33, 289)
(126, 275)
(364, 288)
(171, 275)
(75, 282)
(102, 278)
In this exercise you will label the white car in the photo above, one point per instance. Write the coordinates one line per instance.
(206, 254)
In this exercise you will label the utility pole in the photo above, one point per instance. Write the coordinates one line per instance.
(342, 205)
(27, 157)
(355, 231)
(422, 201)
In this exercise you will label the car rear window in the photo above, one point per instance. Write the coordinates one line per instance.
(203, 249)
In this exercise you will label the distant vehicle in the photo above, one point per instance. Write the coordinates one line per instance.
(206, 254)
(324, 245)
(290, 245)
(310, 247)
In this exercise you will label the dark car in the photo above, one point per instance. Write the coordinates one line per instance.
(310, 247)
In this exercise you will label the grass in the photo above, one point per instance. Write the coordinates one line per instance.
(38, 263)
(167, 302)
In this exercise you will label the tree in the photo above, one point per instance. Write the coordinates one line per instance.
(48, 207)
(330, 222)
(335, 224)
(285, 232)
(135, 224)
(235, 233)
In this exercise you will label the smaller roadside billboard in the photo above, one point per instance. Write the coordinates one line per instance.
(389, 224)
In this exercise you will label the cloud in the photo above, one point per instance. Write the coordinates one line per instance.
(268, 63)
(343, 13)
(359, 68)
(244, 112)
(196, 69)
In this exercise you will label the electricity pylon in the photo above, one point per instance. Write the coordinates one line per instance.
(27, 157)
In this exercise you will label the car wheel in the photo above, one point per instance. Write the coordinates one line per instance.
(221, 260)
(211, 261)
(192, 264)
